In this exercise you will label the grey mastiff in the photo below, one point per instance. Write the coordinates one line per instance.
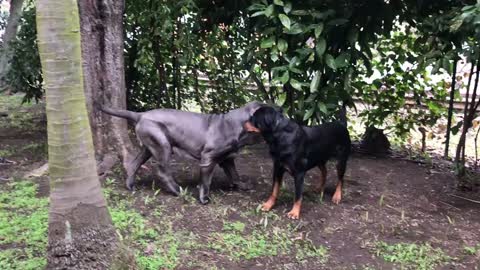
(210, 138)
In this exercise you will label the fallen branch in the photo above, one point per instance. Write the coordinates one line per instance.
(4, 161)
(463, 198)
(450, 205)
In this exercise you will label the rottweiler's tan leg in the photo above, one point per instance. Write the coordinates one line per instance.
(337, 196)
(278, 172)
(295, 212)
(319, 186)
(273, 197)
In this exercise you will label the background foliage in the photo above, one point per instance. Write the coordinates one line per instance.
(313, 58)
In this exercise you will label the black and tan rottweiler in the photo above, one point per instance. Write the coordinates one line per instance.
(297, 149)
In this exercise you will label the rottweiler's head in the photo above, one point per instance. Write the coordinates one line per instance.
(264, 119)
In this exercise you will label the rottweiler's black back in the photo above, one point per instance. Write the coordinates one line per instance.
(326, 141)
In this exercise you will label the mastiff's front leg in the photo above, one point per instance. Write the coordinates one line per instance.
(206, 173)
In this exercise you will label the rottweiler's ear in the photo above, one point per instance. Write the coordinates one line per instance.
(278, 109)
(249, 127)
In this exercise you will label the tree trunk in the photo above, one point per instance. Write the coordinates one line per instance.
(261, 86)
(80, 235)
(101, 24)
(450, 109)
(197, 90)
(9, 34)
(476, 149)
(467, 121)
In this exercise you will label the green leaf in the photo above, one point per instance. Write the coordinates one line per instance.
(269, 11)
(258, 13)
(296, 84)
(323, 15)
(338, 22)
(321, 46)
(274, 57)
(285, 20)
(282, 45)
(278, 2)
(295, 70)
(295, 29)
(446, 65)
(318, 30)
(342, 60)
(293, 62)
(285, 77)
(300, 12)
(281, 99)
(287, 8)
(330, 61)
(352, 36)
(321, 106)
(267, 43)
(311, 58)
(315, 82)
(308, 114)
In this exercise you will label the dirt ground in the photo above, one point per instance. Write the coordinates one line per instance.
(387, 201)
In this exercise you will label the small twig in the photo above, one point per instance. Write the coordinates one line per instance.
(4, 161)
(4, 179)
(463, 198)
(450, 205)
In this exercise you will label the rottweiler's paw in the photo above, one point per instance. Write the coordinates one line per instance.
(268, 205)
(337, 197)
(293, 214)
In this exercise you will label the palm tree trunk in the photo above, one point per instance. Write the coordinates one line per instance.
(80, 235)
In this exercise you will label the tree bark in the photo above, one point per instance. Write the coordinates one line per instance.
(9, 34)
(450, 109)
(467, 121)
(80, 235)
(261, 87)
(101, 24)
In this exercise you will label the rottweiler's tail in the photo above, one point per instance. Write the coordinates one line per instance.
(133, 116)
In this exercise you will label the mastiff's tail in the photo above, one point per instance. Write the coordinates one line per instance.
(133, 116)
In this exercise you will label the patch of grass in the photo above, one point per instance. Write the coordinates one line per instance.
(411, 255)
(186, 196)
(19, 115)
(156, 245)
(9, 102)
(237, 243)
(469, 250)
(6, 152)
(306, 249)
(32, 148)
(23, 226)
(35, 147)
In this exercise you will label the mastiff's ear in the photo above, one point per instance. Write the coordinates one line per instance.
(254, 106)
